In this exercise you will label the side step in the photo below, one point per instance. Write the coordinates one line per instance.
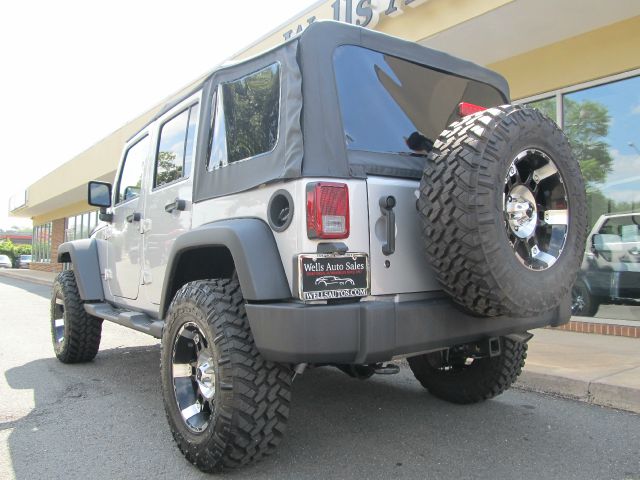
(135, 320)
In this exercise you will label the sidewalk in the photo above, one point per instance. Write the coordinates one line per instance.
(598, 369)
(34, 276)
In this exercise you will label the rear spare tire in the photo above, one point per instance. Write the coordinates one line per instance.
(503, 209)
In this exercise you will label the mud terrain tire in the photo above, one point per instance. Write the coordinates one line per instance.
(75, 334)
(485, 378)
(248, 402)
(470, 224)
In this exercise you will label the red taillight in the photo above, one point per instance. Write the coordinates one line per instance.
(327, 210)
(465, 109)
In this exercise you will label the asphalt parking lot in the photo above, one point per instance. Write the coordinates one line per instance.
(105, 419)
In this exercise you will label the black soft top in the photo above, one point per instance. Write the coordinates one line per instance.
(311, 139)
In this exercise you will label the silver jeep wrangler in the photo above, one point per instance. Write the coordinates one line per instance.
(346, 199)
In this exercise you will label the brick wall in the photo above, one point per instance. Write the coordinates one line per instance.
(602, 328)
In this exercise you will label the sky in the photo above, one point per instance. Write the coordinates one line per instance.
(72, 72)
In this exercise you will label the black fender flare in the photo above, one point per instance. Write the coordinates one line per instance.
(253, 249)
(83, 254)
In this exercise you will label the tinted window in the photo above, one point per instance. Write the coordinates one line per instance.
(392, 105)
(131, 175)
(176, 147)
(247, 112)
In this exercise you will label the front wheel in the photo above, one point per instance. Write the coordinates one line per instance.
(74, 333)
(459, 380)
(225, 404)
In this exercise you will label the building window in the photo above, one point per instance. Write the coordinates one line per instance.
(602, 123)
(246, 117)
(548, 106)
(80, 226)
(41, 248)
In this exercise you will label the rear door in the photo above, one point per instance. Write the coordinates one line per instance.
(405, 270)
(168, 204)
(392, 112)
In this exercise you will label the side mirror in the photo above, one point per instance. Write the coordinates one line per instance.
(99, 194)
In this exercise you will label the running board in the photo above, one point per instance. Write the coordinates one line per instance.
(135, 320)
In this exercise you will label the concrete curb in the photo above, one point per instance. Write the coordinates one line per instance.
(26, 278)
(596, 393)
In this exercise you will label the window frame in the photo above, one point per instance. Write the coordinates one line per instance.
(186, 108)
(116, 190)
(218, 96)
(561, 92)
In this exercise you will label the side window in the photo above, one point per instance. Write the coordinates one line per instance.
(176, 147)
(247, 111)
(131, 176)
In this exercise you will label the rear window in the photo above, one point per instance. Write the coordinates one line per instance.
(391, 105)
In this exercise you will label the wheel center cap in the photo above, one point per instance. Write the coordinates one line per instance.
(521, 211)
(205, 376)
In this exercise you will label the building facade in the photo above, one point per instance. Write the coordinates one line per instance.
(576, 60)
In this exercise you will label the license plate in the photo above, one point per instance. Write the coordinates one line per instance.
(325, 277)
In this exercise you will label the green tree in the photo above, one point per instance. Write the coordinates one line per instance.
(8, 248)
(586, 124)
(167, 170)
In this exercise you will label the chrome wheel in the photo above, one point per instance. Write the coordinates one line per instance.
(194, 377)
(577, 303)
(536, 209)
(58, 320)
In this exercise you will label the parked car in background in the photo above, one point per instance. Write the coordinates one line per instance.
(24, 261)
(610, 272)
(5, 262)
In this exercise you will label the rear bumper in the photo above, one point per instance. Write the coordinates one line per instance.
(368, 332)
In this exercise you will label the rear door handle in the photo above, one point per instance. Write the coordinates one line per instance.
(134, 217)
(177, 204)
(387, 204)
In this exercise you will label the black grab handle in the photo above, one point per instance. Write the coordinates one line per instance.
(387, 205)
(177, 204)
(134, 217)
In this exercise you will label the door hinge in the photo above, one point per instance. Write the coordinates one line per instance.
(107, 274)
(146, 225)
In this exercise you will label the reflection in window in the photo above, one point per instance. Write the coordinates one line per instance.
(249, 120)
(603, 128)
(131, 175)
(395, 106)
(546, 106)
(176, 148)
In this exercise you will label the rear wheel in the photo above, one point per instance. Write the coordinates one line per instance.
(74, 333)
(583, 303)
(456, 379)
(225, 404)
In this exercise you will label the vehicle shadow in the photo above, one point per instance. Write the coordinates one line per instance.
(105, 419)
(37, 289)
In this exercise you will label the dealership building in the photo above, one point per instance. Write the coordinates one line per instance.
(576, 60)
